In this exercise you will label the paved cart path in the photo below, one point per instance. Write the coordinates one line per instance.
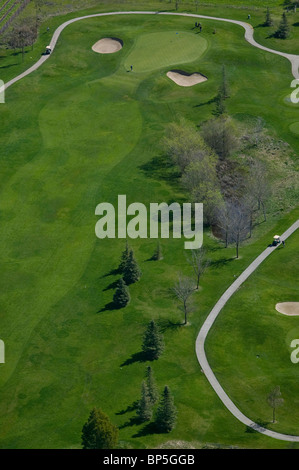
(200, 342)
(294, 60)
(249, 32)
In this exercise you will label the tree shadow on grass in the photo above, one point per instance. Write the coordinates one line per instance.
(161, 167)
(112, 285)
(109, 306)
(129, 408)
(7, 66)
(136, 357)
(150, 428)
(113, 272)
(259, 423)
(169, 325)
(134, 421)
(211, 101)
(221, 262)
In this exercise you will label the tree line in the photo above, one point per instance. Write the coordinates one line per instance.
(234, 190)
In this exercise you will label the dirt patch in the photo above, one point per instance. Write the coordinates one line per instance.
(108, 45)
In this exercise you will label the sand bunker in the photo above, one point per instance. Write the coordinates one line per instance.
(107, 46)
(185, 79)
(288, 308)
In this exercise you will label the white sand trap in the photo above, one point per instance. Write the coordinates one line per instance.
(288, 308)
(107, 46)
(185, 79)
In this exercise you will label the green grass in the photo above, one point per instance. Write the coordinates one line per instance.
(294, 127)
(256, 340)
(80, 131)
(154, 51)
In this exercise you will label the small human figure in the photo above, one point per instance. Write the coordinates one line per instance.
(131, 67)
(200, 28)
(249, 17)
(283, 243)
(48, 29)
(195, 24)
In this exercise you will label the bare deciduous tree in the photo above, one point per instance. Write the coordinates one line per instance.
(238, 224)
(274, 400)
(259, 185)
(183, 290)
(197, 259)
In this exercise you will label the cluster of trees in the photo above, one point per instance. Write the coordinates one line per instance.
(233, 190)
(166, 412)
(21, 35)
(283, 29)
(130, 272)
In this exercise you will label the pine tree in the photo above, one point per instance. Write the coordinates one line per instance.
(223, 94)
(166, 413)
(268, 20)
(124, 258)
(220, 105)
(98, 432)
(157, 256)
(153, 343)
(145, 407)
(224, 85)
(151, 385)
(131, 271)
(283, 31)
(121, 295)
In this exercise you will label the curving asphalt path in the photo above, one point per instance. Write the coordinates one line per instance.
(200, 341)
(249, 32)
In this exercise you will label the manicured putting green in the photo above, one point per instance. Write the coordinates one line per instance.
(155, 50)
(294, 127)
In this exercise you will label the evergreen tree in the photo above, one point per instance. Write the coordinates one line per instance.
(131, 271)
(224, 85)
(166, 412)
(98, 432)
(157, 256)
(268, 20)
(145, 407)
(220, 105)
(223, 94)
(153, 343)
(121, 295)
(124, 258)
(151, 385)
(283, 31)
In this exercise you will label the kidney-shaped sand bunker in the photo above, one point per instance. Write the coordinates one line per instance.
(182, 78)
(107, 45)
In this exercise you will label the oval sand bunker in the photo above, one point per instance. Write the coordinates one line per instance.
(185, 79)
(107, 46)
(288, 308)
